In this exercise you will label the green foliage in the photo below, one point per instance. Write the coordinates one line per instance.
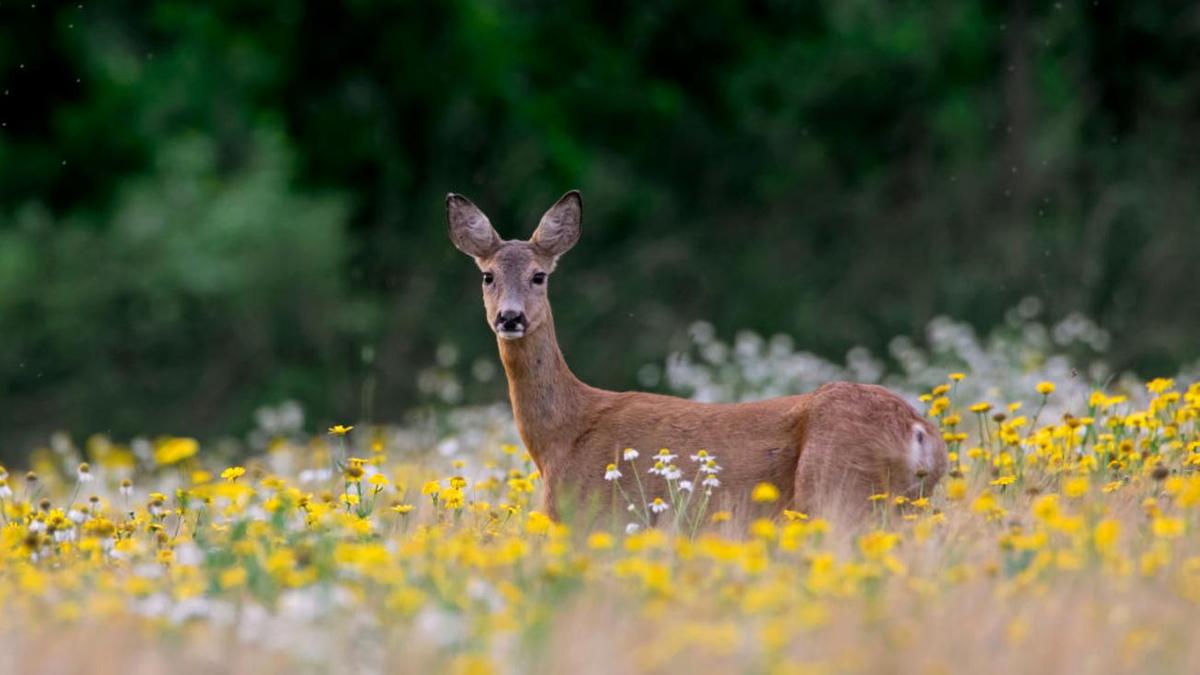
(198, 291)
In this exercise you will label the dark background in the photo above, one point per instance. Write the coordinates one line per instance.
(209, 206)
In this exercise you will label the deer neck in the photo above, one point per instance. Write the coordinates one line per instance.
(547, 399)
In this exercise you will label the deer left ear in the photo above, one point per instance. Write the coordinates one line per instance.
(560, 226)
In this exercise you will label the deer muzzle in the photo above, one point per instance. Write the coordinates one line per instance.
(510, 324)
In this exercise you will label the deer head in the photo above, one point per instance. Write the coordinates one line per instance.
(515, 273)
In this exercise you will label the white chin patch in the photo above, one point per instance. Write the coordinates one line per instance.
(510, 334)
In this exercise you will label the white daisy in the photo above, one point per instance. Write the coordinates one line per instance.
(611, 472)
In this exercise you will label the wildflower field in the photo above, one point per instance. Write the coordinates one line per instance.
(1064, 539)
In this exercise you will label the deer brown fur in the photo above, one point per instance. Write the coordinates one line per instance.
(826, 451)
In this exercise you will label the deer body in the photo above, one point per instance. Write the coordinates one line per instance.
(826, 451)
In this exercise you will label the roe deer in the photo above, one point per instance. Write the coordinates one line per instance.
(826, 451)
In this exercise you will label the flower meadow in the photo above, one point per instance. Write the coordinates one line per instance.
(1064, 538)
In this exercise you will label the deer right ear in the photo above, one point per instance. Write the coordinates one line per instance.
(470, 230)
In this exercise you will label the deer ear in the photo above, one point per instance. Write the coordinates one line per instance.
(561, 226)
(470, 230)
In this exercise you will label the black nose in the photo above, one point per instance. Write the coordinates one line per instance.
(511, 320)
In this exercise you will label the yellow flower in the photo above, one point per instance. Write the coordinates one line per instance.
(600, 541)
(405, 600)
(981, 407)
(1167, 528)
(1159, 384)
(1075, 487)
(233, 473)
(646, 540)
(939, 405)
(957, 377)
(875, 544)
(1105, 536)
(956, 489)
(233, 577)
(175, 450)
(1045, 388)
(519, 485)
(985, 503)
(453, 498)
(1046, 507)
(538, 523)
(431, 488)
(340, 430)
(763, 528)
(357, 525)
(721, 516)
(765, 493)
(403, 509)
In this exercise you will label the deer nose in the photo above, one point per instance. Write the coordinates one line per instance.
(511, 320)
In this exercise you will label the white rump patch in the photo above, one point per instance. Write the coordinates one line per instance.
(918, 449)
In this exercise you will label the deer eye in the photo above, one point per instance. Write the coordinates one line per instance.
(488, 278)
(539, 278)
